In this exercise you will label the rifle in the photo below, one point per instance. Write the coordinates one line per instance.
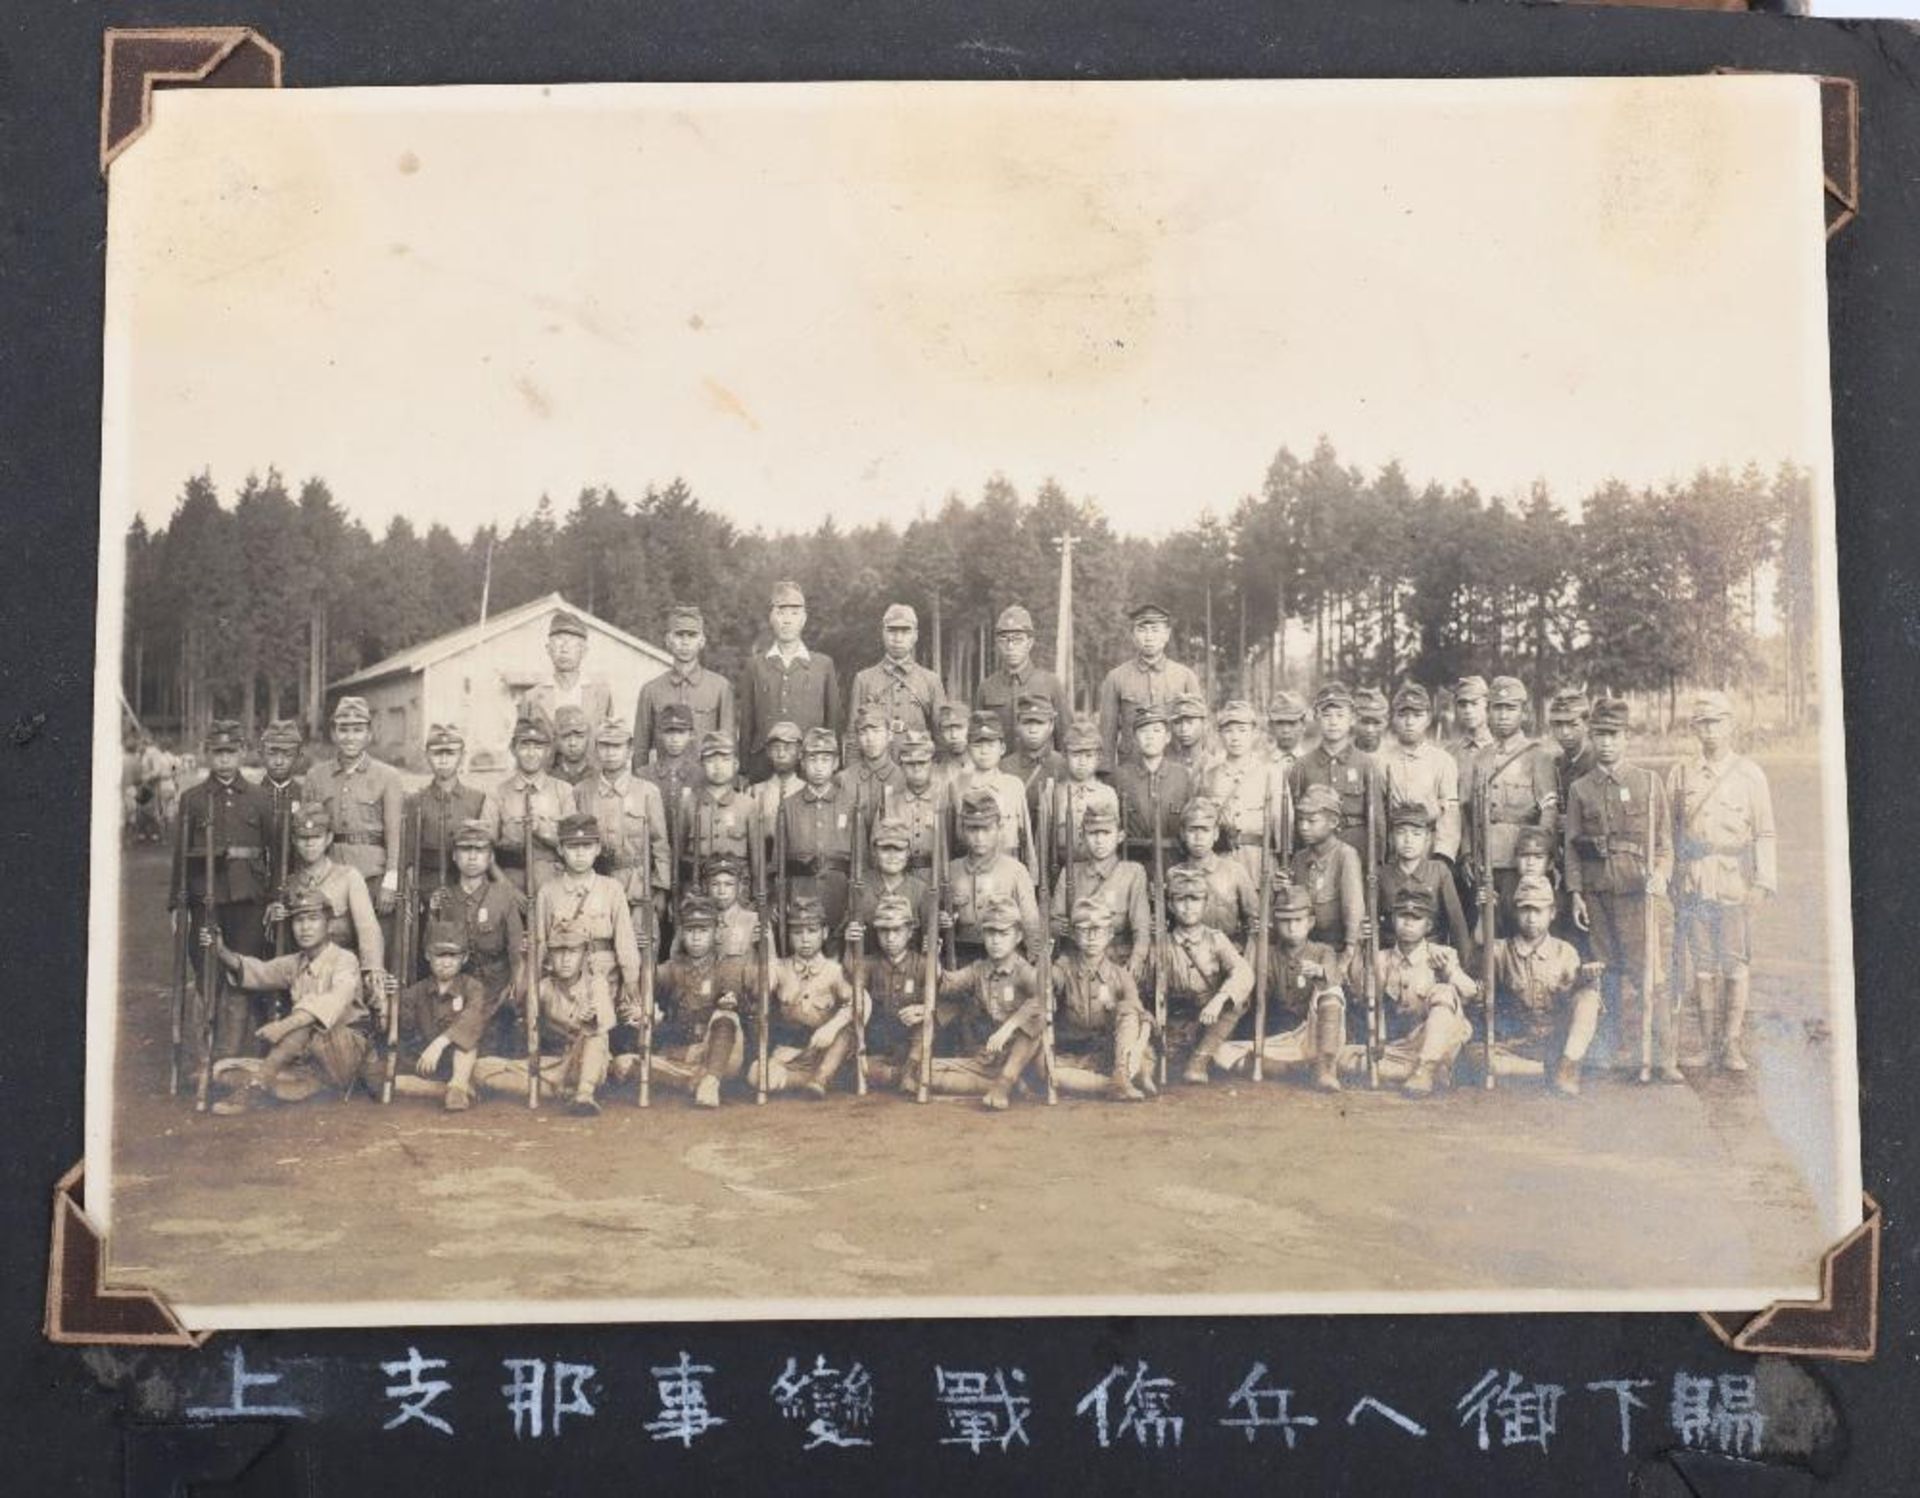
(1371, 948)
(650, 938)
(1045, 855)
(406, 926)
(209, 974)
(856, 955)
(182, 943)
(1262, 947)
(780, 875)
(1489, 914)
(942, 883)
(694, 880)
(1647, 936)
(534, 959)
(930, 938)
(1156, 956)
(762, 1040)
(285, 872)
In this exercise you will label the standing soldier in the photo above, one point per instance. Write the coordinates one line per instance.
(285, 791)
(442, 804)
(1723, 821)
(915, 803)
(1233, 904)
(567, 650)
(1080, 791)
(906, 692)
(783, 773)
(1148, 680)
(1516, 775)
(950, 745)
(1248, 791)
(984, 876)
(1329, 870)
(1370, 711)
(365, 799)
(494, 915)
(631, 821)
(1415, 769)
(788, 683)
(1188, 720)
(530, 796)
(716, 815)
(1286, 728)
(1034, 760)
(873, 773)
(1018, 678)
(351, 924)
(1147, 780)
(1471, 736)
(1568, 712)
(706, 695)
(1099, 873)
(985, 747)
(241, 824)
(1339, 764)
(1619, 858)
(676, 757)
(819, 818)
(596, 906)
(572, 745)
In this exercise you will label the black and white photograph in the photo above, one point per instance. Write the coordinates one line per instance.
(969, 699)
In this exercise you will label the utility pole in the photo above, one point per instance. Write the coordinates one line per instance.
(1063, 624)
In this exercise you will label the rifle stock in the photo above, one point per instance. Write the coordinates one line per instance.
(1376, 1033)
(1156, 956)
(857, 953)
(209, 974)
(768, 919)
(1045, 856)
(535, 959)
(1262, 948)
(1489, 912)
(285, 871)
(406, 925)
(650, 932)
(930, 938)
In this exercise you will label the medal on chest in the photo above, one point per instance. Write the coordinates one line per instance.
(459, 1002)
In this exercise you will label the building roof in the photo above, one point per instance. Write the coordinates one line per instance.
(432, 652)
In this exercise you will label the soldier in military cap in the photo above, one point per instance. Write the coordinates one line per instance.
(1339, 764)
(783, 773)
(819, 829)
(1079, 791)
(1250, 792)
(787, 683)
(1017, 677)
(985, 875)
(1410, 862)
(1147, 780)
(1286, 728)
(873, 771)
(700, 1041)
(716, 816)
(567, 650)
(917, 801)
(351, 922)
(887, 877)
(635, 847)
(576, 1019)
(443, 1020)
(439, 807)
(1415, 769)
(365, 799)
(239, 817)
(1187, 722)
(325, 1037)
(1101, 1031)
(1148, 680)
(1233, 903)
(894, 979)
(906, 692)
(1306, 1007)
(811, 1009)
(1516, 777)
(706, 695)
(1370, 713)
(676, 756)
(1568, 713)
(1034, 761)
(1424, 991)
(530, 796)
(1534, 853)
(493, 915)
(736, 927)
(985, 748)
(952, 725)
(572, 744)
(1548, 999)
(988, 1024)
(1099, 873)
(1727, 864)
(1471, 736)
(1329, 870)
(1208, 981)
(280, 744)
(598, 905)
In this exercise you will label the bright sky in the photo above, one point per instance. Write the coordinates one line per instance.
(856, 298)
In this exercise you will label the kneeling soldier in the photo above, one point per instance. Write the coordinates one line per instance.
(1306, 1010)
(991, 1009)
(1100, 1031)
(325, 1039)
(443, 1019)
(1423, 993)
(811, 1007)
(1548, 1001)
(894, 977)
(1208, 981)
(596, 904)
(699, 1043)
(576, 1017)
(494, 916)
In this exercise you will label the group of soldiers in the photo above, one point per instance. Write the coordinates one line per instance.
(999, 901)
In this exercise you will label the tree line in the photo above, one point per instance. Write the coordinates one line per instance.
(249, 609)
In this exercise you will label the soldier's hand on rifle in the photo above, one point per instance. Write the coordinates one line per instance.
(276, 913)
(1366, 928)
(384, 899)
(387, 984)
(1312, 971)
(209, 937)
(856, 932)
(912, 1014)
(1656, 886)
(1592, 972)
(946, 920)
(1580, 917)
(997, 1042)
(430, 1057)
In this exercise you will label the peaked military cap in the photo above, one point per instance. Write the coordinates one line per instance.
(784, 732)
(913, 745)
(310, 819)
(1088, 911)
(1291, 899)
(716, 743)
(893, 911)
(307, 901)
(579, 827)
(1370, 703)
(675, 715)
(698, 910)
(1201, 811)
(1035, 707)
(569, 717)
(985, 725)
(1412, 694)
(1187, 705)
(282, 733)
(224, 733)
(445, 736)
(999, 915)
(871, 715)
(1710, 707)
(1507, 689)
(1013, 620)
(683, 616)
(566, 933)
(1333, 694)
(531, 730)
(446, 936)
(1316, 798)
(1082, 733)
(1413, 899)
(1287, 707)
(1568, 704)
(1149, 613)
(1151, 712)
(1184, 879)
(900, 615)
(953, 715)
(1612, 714)
(1534, 891)
(352, 710)
(891, 832)
(565, 623)
(612, 731)
(1533, 840)
(1236, 711)
(473, 833)
(1410, 814)
(1470, 689)
(805, 910)
(1099, 817)
(820, 741)
(722, 864)
(978, 808)
(786, 594)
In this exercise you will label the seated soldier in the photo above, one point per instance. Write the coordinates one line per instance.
(811, 1009)
(443, 1019)
(576, 1018)
(989, 1014)
(699, 1042)
(1423, 996)
(1100, 1030)
(1208, 981)
(895, 980)
(736, 927)
(1548, 1000)
(326, 1037)
(1329, 870)
(1306, 1010)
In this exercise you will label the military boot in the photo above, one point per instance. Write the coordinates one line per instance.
(1329, 1032)
(1019, 1053)
(1702, 1044)
(1200, 1064)
(1420, 1084)
(1566, 1077)
(1733, 1055)
(838, 1049)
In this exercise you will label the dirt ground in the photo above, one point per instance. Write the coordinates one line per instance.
(1221, 1190)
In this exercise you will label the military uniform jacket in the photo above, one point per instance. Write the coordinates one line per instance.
(242, 833)
(984, 995)
(970, 887)
(1723, 829)
(1080, 795)
(715, 820)
(767, 795)
(629, 812)
(547, 800)
(706, 695)
(1333, 879)
(572, 774)
(365, 799)
(1202, 962)
(1571, 767)
(1347, 770)
(1467, 751)
(1249, 792)
(351, 921)
(441, 810)
(1532, 981)
(460, 1012)
(1129, 687)
(600, 905)
(495, 917)
(1196, 759)
(1008, 794)
(919, 810)
(805, 691)
(1233, 904)
(1450, 923)
(590, 694)
(569, 1011)
(1136, 786)
(690, 992)
(1617, 830)
(1425, 774)
(1409, 987)
(284, 798)
(1122, 888)
(323, 983)
(906, 691)
(1088, 997)
(1522, 787)
(1034, 772)
(878, 886)
(673, 775)
(871, 783)
(819, 829)
(806, 994)
(890, 987)
(733, 935)
(1001, 693)
(1291, 991)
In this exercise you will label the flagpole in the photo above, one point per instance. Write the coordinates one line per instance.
(1063, 626)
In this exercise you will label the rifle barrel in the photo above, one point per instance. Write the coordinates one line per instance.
(209, 973)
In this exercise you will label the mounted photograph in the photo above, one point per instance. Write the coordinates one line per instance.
(943, 699)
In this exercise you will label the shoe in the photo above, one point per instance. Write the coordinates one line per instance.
(584, 1106)
(1326, 1074)
(1566, 1077)
(1144, 1081)
(706, 1092)
(996, 1101)
(1420, 1084)
(1734, 1060)
(816, 1092)
(458, 1098)
(1197, 1072)
(1122, 1090)
(1671, 1074)
(242, 1100)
